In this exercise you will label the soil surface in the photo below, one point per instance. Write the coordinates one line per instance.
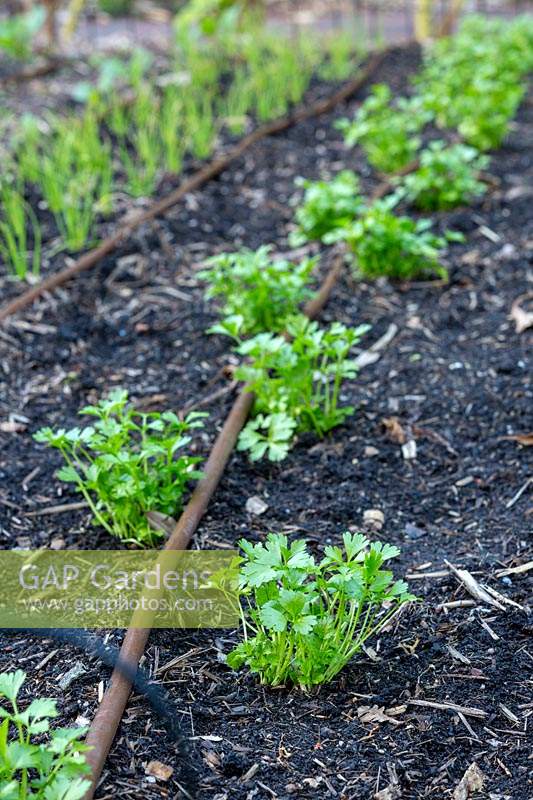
(455, 375)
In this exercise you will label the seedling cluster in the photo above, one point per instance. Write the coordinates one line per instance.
(259, 292)
(127, 464)
(304, 620)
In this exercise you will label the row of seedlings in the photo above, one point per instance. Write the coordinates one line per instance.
(137, 126)
(303, 619)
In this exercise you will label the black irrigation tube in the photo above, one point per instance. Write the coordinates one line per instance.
(209, 171)
(109, 714)
(141, 681)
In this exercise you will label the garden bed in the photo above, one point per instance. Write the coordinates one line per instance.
(454, 375)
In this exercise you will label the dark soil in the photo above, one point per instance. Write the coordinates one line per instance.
(456, 376)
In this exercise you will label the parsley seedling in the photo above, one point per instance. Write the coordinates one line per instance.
(50, 770)
(326, 205)
(446, 177)
(386, 131)
(127, 463)
(303, 621)
(297, 383)
(397, 247)
(478, 102)
(263, 291)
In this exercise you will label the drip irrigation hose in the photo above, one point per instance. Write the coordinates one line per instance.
(209, 171)
(109, 714)
(139, 679)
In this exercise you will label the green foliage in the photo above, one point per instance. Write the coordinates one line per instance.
(17, 32)
(446, 177)
(397, 247)
(207, 18)
(386, 131)
(279, 73)
(127, 463)
(171, 124)
(269, 435)
(53, 769)
(473, 81)
(261, 291)
(392, 246)
(343, 52)
(304, 621)
(221, 39)
(140, 153)
(296, 382)
(73, 168)
(112, 73)
(326, 205)
(117, 8)
(150, 134)
(199, 121)
(20, 234)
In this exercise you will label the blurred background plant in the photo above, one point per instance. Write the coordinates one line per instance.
(127, 116)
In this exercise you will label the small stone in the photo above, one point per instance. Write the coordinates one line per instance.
(507, 252)
(370, 451)
(255, 505)
(409, 450)
(57, 544)
(374, 519)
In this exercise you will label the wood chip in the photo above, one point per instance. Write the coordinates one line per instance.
(525, 439)
(56, 509)
(466, 710)
(516, 570)
(161, 522)
(509, 714)
(394, 430)
(374, 519)
(393, 790)
(58, 543)
(250, 773)
(10, 426)
(72, 675)
(472, 781)
(159, 771)
(474, 588)
(409, 450)
(489, 234)
(373, 354)
(457, 655)
(519, 493)
(501, 597)
(485, 625)
(456, 604)
(375, 714)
